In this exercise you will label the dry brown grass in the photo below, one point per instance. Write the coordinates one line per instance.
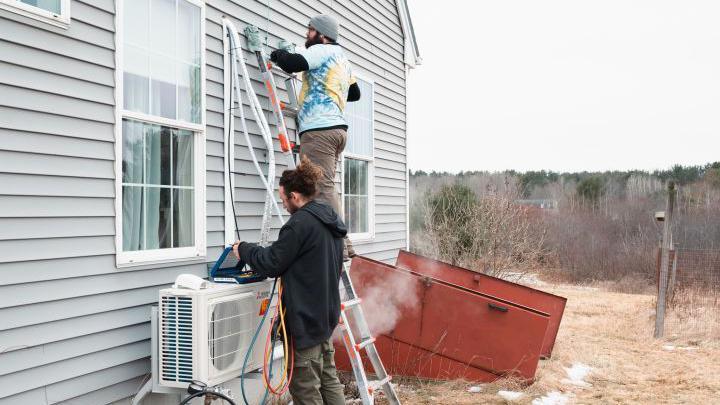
(612, 333)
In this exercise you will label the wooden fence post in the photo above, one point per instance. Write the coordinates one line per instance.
(665, 262)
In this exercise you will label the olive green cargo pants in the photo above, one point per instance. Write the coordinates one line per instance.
(315, 380)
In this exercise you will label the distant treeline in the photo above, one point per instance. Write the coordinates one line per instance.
(528, 182)
(600, 226)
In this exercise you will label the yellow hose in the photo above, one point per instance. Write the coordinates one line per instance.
(286, 351)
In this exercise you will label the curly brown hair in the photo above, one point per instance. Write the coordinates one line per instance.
(303, 179)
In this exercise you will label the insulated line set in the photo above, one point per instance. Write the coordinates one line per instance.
(236, 57)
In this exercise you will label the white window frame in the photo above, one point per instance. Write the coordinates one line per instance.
(199, 250)
(369, 236)
(61, 20)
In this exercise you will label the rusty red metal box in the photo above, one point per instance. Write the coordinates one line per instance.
(529, 297)
(430, 328)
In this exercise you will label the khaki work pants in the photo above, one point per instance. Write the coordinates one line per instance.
(315, 380)
(323, 148)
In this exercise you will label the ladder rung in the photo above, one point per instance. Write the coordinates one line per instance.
(351, 303)
(288, 108)
(373, 385)
(364, 343)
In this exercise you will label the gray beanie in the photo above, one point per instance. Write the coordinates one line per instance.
(326, 25)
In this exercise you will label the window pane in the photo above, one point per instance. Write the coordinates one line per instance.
(188, 38)
(136, 22)
(182, 147)
(52, 6)
(362, 213)
(162, 59)
(359, 115)
(356, 177)
(157, 160)
(162, 29)
(183, 218)
(133, 218)
(162, 87)
(363, 178)
(189, 102)
(356, 195)
(157, 154)
(157, 208)
(347, 177)
(132, 154)
(356, 214)
(136, 79)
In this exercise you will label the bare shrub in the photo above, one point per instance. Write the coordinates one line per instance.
(592, 246)
(489, 233)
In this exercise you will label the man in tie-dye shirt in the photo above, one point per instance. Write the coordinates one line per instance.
(328, 83)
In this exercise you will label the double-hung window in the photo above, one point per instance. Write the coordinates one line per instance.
(357, 179)
(54, 12)
(161, 204)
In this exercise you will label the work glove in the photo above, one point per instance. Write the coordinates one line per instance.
(275, 55)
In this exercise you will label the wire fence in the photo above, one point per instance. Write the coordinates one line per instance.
(693, 294)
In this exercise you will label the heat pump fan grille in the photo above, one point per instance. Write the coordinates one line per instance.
(230, 332)
(176, 345)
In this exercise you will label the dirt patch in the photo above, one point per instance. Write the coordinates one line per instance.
(612, 333)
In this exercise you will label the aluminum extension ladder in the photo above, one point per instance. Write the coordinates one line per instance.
(279, 108)
(351, 306)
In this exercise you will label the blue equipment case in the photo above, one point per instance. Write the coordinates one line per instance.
(228, 269)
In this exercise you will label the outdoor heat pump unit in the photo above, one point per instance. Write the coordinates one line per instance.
(204, 332)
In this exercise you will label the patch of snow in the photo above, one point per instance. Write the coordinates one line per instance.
(576, 375)
(552, 398)
(510, 396)
(475, 389)
(671, 348)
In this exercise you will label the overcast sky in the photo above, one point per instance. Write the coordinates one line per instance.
(564, 85)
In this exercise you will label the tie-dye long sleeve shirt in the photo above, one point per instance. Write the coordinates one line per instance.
(325, 87)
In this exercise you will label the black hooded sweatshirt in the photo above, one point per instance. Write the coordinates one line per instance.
(308, 255)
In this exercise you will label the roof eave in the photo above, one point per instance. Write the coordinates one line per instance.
(412, 56)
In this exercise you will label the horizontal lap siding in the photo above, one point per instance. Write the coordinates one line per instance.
(365, 24)
(76, 327)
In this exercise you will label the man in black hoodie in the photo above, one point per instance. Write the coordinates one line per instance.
(308, 256)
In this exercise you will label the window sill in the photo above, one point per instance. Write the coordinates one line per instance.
(361, 238)
(36, 14)
(160, 256)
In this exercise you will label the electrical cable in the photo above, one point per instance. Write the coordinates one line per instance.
(198, 389)
(203, 393)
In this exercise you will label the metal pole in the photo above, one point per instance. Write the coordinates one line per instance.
(664, 262)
